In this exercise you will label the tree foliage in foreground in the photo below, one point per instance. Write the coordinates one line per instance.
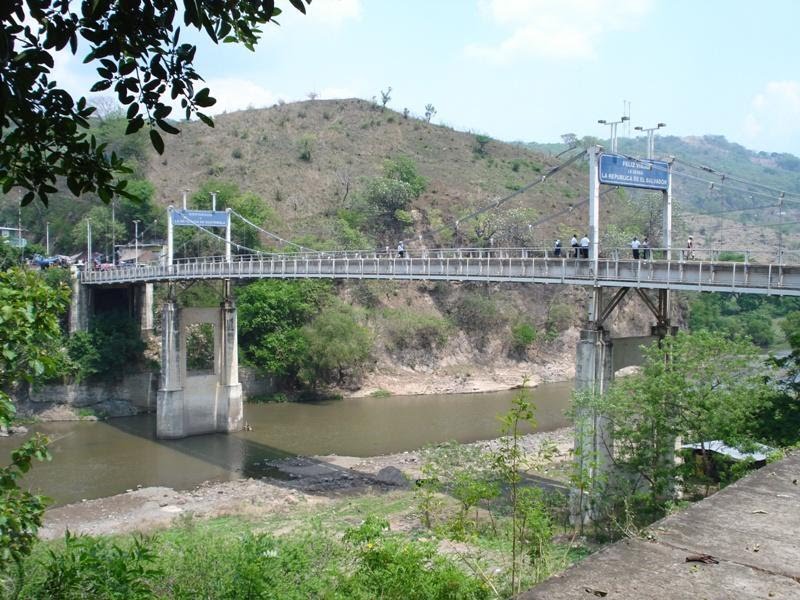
(698, 387)
(139, 54)
(30, 350)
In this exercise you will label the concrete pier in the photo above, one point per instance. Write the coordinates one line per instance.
(198, 403)
(594, 372)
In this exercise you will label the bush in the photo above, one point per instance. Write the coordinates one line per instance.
(336, 345)
(304, 147)
(522, 336)
(406, 329)
(96, 568)
(560, 316)
(271, 316)
(477, 314)
(108, 349)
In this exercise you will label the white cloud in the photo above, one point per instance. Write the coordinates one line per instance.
(567, 29)
(334, 12)
(238, 94)
(774, 119)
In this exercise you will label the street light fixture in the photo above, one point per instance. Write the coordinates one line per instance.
(613, 126)
(651, 145)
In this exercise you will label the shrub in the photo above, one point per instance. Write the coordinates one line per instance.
(522, 336)
(236, 153)
(406, 329)
(96, 568)
(336, 344)
(480, 144)
(560, 316)
(108, 349)
(477, 314)
(304, 147)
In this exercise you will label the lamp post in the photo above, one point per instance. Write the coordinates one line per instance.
(47, 236)
(613, 126)
(651, 145)
(136, 242)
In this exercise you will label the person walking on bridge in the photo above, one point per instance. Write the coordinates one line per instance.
(645, 248)
(635, 245)
(557, 249)
(585, 246)
(401, 249)
(690, 249)
(574, 243)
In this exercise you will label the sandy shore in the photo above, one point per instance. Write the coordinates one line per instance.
(306, 481)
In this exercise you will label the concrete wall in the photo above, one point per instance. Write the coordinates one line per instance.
(254, 385)
(137, 389)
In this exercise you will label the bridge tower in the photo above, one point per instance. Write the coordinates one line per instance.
(595, 361)
(197, 403)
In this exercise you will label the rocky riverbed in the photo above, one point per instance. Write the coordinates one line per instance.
(306, 481)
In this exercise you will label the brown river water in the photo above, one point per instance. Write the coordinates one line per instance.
(96, 459)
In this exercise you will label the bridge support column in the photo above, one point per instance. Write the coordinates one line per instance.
(143, 306)
(80, 305)
(230, 413)
(170, 409)
(594, 371)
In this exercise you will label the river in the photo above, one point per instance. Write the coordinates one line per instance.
(95, 459)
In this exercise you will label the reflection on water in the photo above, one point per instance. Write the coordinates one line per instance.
(94, 459)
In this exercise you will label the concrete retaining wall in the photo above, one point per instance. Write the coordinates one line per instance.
(137, 389)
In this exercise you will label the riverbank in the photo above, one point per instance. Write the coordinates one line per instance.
(299, 483)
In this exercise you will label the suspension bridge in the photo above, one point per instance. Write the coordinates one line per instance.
(190, 404)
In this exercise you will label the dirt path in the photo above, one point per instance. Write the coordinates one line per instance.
(306, 481)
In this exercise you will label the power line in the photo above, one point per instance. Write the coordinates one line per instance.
(734, 178)
(499, 202)
(272, 235)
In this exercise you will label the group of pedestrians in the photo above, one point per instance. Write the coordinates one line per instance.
(580, 248)
(640, 249)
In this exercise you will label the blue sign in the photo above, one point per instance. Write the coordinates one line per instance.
(203, 218)
(629, 172)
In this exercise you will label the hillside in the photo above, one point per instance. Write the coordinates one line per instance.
(729, 199)
(313, 172)
(348, 142)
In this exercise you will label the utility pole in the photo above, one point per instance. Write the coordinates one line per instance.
(47, 236)
(136, 242)
(89, 260)
(113, 234)
(780, 230)
(651, 144)
(613, 126)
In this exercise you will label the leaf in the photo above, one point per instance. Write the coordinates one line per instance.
(298, 4)
(133, 110)
(165, 126)
(157, 141)
(134, 125)
(205, 119)
(101, 85)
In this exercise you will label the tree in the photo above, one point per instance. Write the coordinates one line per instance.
(139, 53)
(404, 169)
(480, 144)
(430, 110)
(30, 350)
(272, 314)
(336, 345)
(700, 386)
(385, 97)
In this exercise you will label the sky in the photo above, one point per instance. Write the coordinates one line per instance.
(529, 70)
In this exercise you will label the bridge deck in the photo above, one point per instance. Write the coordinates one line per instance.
(688, 275)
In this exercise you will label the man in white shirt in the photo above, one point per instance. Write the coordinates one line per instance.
(635, 244)
(585, 246)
